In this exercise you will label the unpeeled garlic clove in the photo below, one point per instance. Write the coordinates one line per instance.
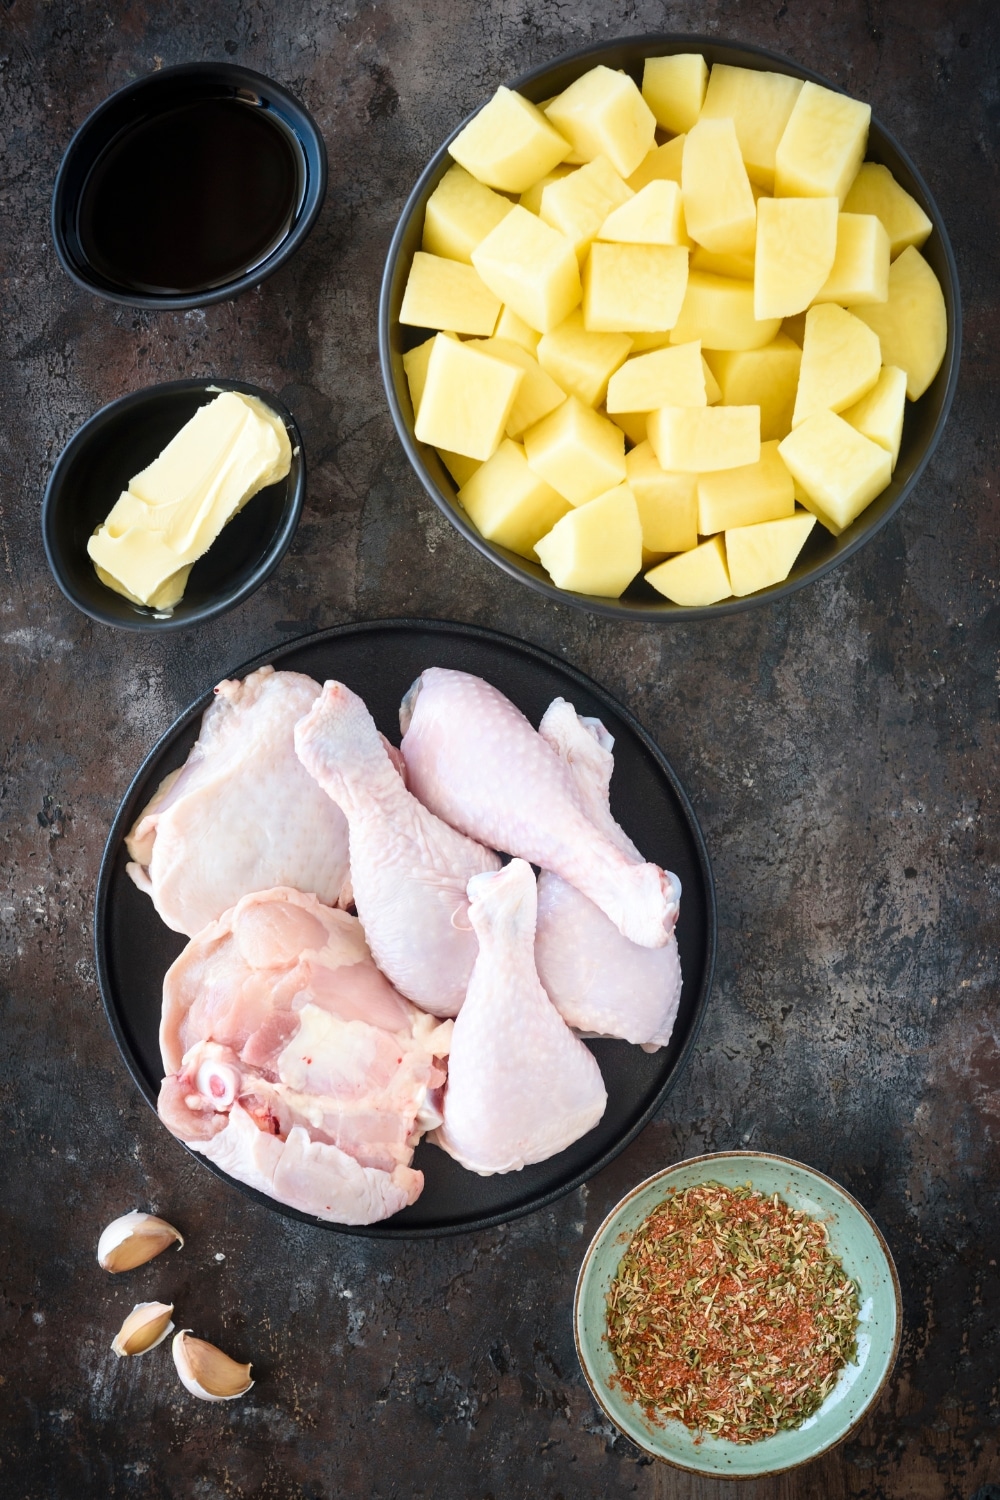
(206, 1372)
(146, 1326)
(133, 1239)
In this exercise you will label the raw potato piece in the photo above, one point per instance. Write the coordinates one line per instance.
(516, 330)
(662, 164)
(738, 267)
(760, 556)
(719, 312)
(694, 578)
(509, 503)
(840, 470)
(796, 249)
(759, 105)
(654, 216)
(578, 452)
(636, 288)
(444, 294)
(460, 212)
(597, 548)
(415, 362)
(767, 378)
(603, 114)
(582, 363)
(665, 377)
(743, 497)
(841, 360)
(701, 439)
(632, 423)
(713, 391)
(876, 191)
(466, 400)
(879, 415)
(531, 268)
(509, 144)
(537, 394)
(459, 467)
(912, 327)
(532, 199)
(719, 208)
(823, 145)
(577, 205)
(668, 503)
(674, 88)
(860, 271)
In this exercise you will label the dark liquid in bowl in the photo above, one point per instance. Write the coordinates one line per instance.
(190, 198)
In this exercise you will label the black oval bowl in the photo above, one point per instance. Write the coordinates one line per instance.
(925, 418)
(186, 83)
(97, 464)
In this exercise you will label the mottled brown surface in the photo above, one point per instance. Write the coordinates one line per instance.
(840, 749)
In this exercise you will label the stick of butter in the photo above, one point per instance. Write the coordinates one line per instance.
(173, 511)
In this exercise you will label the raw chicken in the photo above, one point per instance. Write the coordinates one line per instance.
(241, 814)
(409, 869)
(599, 982)
(475, 760)
(520, 1086)
(294, 1065)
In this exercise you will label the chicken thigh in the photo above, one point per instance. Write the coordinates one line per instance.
(475, 760)
(521, 1086)
(408, 868)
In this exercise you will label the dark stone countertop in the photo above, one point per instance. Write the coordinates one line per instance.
(840, 749)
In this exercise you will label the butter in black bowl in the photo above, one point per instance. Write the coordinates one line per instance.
(103, 458)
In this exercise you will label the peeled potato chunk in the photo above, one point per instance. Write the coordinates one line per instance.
(698, 577)
(841, 360)
(879, 415)
(665, 377)
(537, 394)
(582, 363)
(762, 555)
(719, 311)
(822, 146)
(860, 270)
(838, 469)
(745, 496)
(466, 400)
(509, 144)
(701, 439)
(654, 216)
(668, 503)
(415, 363)
(662, 164)
(738, 267)
(759, 104)
(796, 250)
(444, 294)
(532, 199)
(767, 378)
(460, 212)
(508, 501)
(597, 548)
(876, 191)
(912, 326)
(459, 467)
(578, 205)
(516, 330)
(604, 114)
(674, 88)
(578, 452)
(633, 287)
(719, 208)
(632, 423)
(530, 267)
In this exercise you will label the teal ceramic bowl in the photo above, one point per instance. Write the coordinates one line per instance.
(853, 1237)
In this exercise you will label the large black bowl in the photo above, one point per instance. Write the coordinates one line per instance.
(925, 418)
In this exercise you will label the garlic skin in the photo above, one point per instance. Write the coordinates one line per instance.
(133, 1239)
(146, 1326)
(206, 1372)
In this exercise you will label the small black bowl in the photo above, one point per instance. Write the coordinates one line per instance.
(97, 464)
(139, 104)
(925, 418)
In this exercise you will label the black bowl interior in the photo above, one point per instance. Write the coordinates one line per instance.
(141, 101)
(97, 464)
(379, 661)
(924, 419)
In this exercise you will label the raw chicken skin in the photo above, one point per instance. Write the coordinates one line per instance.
(408, 868)
(241, 814)
(475, 760)
(293, 1064)
(521, 1086)
(600, 983)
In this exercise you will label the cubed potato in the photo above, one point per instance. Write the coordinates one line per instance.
(879, 415)
(604, 114)
(763, 555)
(537, 394)
(668, 503)
(509, 503)
(713, 390)
(860, 271)
(581, 362)
(662, 164)
(459, 467)
(597, 548)
(875, 191)
(445, 294)
(912, 326)
(530, 267)
(577, 451)
(796, 249)
(767, 378)
(719, 311)
(795, 328)
(841, 360)
(509, 144)
(694, 578)
(745, 496)
(737, 267)
(836, 466)
(643, 342)
(460, 212)
(630, 288)
(516, 330)
(532, 199)
(823, 145)
(759, 105)
(632, 423)
(719, 208)
(577, 205)
(654, 216)
(674, 88)
(701, 439)
(665, 377)
(415, 363)
(466, 400)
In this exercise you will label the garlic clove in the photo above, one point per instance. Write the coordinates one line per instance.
(206, 1372)
(133, 1239)
(146, 1326)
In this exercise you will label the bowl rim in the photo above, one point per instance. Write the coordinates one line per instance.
(786, 1161)
(665, 612)
(276, 550)
(312, 199)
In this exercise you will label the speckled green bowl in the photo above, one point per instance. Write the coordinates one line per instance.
(853, 1237)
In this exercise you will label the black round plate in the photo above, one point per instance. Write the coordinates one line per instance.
(380, 660)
